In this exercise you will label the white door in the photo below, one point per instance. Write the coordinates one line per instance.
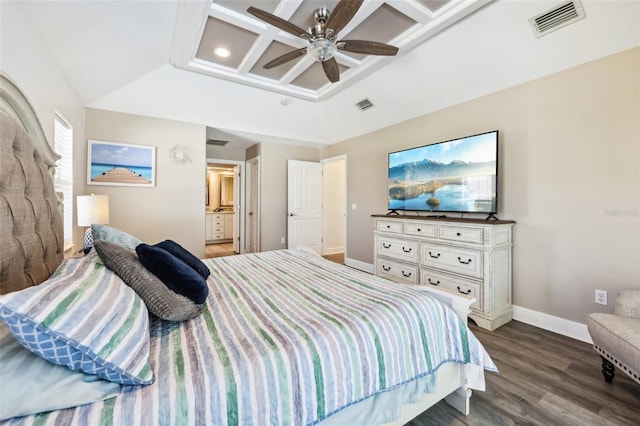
(304, 201)
(252, 221)
(237, 209)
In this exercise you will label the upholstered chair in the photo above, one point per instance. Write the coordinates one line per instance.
(616, 337)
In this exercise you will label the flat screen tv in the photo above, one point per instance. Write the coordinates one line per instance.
(459, 175)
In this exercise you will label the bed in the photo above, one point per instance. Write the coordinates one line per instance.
(283, 337)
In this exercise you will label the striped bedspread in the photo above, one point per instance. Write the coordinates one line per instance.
(288, 339)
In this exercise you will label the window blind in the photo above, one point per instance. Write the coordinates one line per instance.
(63, 178)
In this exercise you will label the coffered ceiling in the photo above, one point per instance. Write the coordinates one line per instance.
(142, 58)
(251, 43)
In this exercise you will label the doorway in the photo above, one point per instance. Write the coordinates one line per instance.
(316, 205)
(224, 206)
(334, 201)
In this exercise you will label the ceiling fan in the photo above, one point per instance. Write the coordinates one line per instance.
(321, 37)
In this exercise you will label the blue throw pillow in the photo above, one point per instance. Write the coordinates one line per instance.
(173, 272)
(187, 257)
(160, 299)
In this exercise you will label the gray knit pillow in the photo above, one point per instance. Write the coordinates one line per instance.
(160, 299)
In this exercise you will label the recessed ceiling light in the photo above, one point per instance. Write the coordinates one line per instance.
(222, 52)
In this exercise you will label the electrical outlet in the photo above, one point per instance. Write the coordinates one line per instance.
(281, 240)
(601, 297)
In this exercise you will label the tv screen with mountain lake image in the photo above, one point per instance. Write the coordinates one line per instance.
(121, 164)
(459, 175)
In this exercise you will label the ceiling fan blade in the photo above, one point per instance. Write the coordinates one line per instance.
(342, 14)
(331, 69)
(278, 22)
(285, 58)
(367, 47)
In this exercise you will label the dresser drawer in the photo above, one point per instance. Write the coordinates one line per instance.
(389, 226)
(397, 271)
(421, 229)
(432, 278)
(461, 234)
(399, 249)
(461, 261)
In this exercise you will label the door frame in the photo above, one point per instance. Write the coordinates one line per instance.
(342, 157)
(256, 193)
(240, 200)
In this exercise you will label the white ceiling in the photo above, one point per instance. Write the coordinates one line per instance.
(116, 54)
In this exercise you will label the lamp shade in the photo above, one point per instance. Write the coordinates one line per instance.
(93, 209)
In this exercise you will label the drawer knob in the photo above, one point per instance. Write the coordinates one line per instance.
(432, 283)
(388, 226)
(458, 234)
(435, 256)
(406, 250)
(463, 262)
(407, 275)
(385, 245)
(419, 230)
(464, 292)
(386, 268)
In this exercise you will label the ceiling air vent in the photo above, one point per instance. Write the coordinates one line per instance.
(556, 18)
(364, 104)
(216, 142)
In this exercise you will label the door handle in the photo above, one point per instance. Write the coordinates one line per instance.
(292, 214)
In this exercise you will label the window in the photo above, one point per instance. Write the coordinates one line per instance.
(63, 178)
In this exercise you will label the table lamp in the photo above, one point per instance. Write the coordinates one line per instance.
(92, 209)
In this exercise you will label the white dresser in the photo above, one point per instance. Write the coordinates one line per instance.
(467, 257)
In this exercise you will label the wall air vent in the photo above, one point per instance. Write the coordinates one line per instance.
(216, 142)
(364, 104)
(556, 18)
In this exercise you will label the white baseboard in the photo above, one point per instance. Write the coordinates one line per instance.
(363, 266)
(333, 250)
(558, 325)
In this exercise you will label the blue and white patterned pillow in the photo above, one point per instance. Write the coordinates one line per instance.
(109, 233)
(86, 318)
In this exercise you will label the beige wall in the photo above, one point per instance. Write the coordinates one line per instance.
(24, 60)
(174, 208)
(273, 212)
(569, 175)
(227, 152)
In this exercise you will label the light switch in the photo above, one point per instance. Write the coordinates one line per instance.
(354, 206)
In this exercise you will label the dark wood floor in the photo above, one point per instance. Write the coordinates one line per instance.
(544, 379)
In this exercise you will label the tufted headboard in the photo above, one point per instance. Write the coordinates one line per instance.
(31, 234)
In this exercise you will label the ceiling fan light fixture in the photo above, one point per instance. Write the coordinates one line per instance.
(322, 37)
(321, 49)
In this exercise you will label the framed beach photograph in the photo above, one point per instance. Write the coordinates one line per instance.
(119, 164)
